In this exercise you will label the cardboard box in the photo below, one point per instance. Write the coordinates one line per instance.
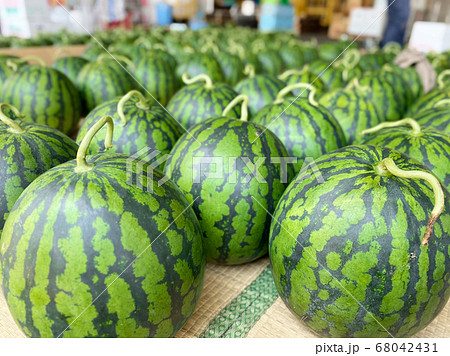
(338, 26)
(46, 53)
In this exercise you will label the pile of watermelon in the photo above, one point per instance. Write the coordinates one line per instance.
(126, 169)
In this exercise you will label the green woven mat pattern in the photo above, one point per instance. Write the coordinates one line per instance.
(242, 313)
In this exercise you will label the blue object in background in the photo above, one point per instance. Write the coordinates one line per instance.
(198, 22)
(276, 17)
(163, 14)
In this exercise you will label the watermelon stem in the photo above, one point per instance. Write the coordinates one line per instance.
(442, 102)
(26, 59)
(208, 82)
(14, 127)
(210, 45)
(237, 48)
(283, 92)
(290, 72)
(389, 165)
(142, 104)
(82, 165)
(355, 84)
(392, 47)
(416, 129)
(441, 77)
(12, 64)
(244, 109)
(351, 58)
(116, 57)
(249, 70)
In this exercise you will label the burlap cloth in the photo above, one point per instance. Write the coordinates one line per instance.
(241, 301)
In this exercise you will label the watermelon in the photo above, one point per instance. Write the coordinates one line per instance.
(70, 66)
(386, 98)
(294, 76)
(348, 64)
(227, 197)
(138, 125)
(201, 99)
(7, 67)
(410, 77)
(45, 96)
(307, 130)
(247, 57)
(166, 56)
(157, 77)
(103, 80)
(433, 98)
(437, 118)
(352, 110)
(106, 258)
(232, 68)
(329, 51)
(403, 91)
(27, 150)
(330, 75)
(371, 62)
(261, 89)
(427, 145)
(271, 62)
(292, 56)
(92, 52)
(354, 254)
(310, 52)
(201, 63)
(391, 50)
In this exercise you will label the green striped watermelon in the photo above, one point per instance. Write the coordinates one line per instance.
(292, 56)
(352, 255)
(45, 96)
(261, 89)
(105, 258)
(157, 77)
(330, 75)
(201, 99)
(348, 64)
(232, 67)
(352, 110)
(7, 67)
(70, 66)
(410, 77)
(436, 98)
(138, 125)
(329, 51)
(201, 63)
(163, 54)
(26, 151)
(294, 76)
(371, 62)
(92, 52)
(103, 80)
(427, 145)
(228, 184)
(403, 91)
(310, 52)
(271, 62)
(306, 129)
(437, 118)
(386, 98)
